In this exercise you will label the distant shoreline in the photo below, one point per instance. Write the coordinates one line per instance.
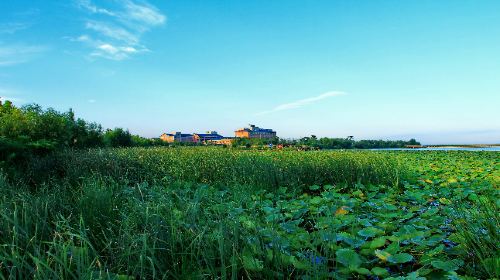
(478, 146)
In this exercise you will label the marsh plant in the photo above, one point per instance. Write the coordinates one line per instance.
(205, 213)
(478, 231)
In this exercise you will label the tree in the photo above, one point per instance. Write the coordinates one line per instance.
(413, 142)
(117, 137)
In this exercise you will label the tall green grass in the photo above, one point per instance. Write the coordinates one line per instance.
(104, 230)
(266, 169)
(478, 231)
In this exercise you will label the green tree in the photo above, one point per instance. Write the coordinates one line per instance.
(117, 137)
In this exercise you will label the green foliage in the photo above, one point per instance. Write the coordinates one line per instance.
(22, 136)
(117, 137)
(206, 212)
(254, 142)
(445, 265)
(343, 143)
(379, 271)
(348, 258)
(478, 231)
(86, 135)
(400, 258)
(218, 166)
(31, 130)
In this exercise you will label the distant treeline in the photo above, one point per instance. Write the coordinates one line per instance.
(327, 143)
(345, 143)
(32, 130)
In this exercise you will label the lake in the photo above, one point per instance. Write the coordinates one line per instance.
(488, 149)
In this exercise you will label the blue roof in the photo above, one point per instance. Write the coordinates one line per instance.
(258, 129)
(182, 135)
(208, 135)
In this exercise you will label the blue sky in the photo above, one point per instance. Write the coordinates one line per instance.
(372, 69)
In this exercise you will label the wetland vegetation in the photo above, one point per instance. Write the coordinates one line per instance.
(199, 212)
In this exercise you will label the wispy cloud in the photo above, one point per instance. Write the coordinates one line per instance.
(302, 102)
(87, 5)
(13, 27)
(144, 13)
(17, 54)
(13, 53)
(92, 101)
(114, 52)
(116, 33)
(108, 50)
(113, 32)
(15, 22)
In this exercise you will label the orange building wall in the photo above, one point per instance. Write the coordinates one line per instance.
(167, 138)
(242, 134)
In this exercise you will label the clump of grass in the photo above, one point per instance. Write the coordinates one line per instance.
(104, 230)
(38, 239)
(477, 227)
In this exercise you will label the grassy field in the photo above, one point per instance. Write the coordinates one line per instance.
(208, 213)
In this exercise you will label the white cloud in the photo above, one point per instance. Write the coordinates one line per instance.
(114, 52)
(109, 50)
(113, 32)
(144, 13)
(17, 54)
(92, 101)
(87, 5)
(302, 102)
(82, 38)
(118, 35)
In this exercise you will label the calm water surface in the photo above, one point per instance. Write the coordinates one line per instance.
(488, 149)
